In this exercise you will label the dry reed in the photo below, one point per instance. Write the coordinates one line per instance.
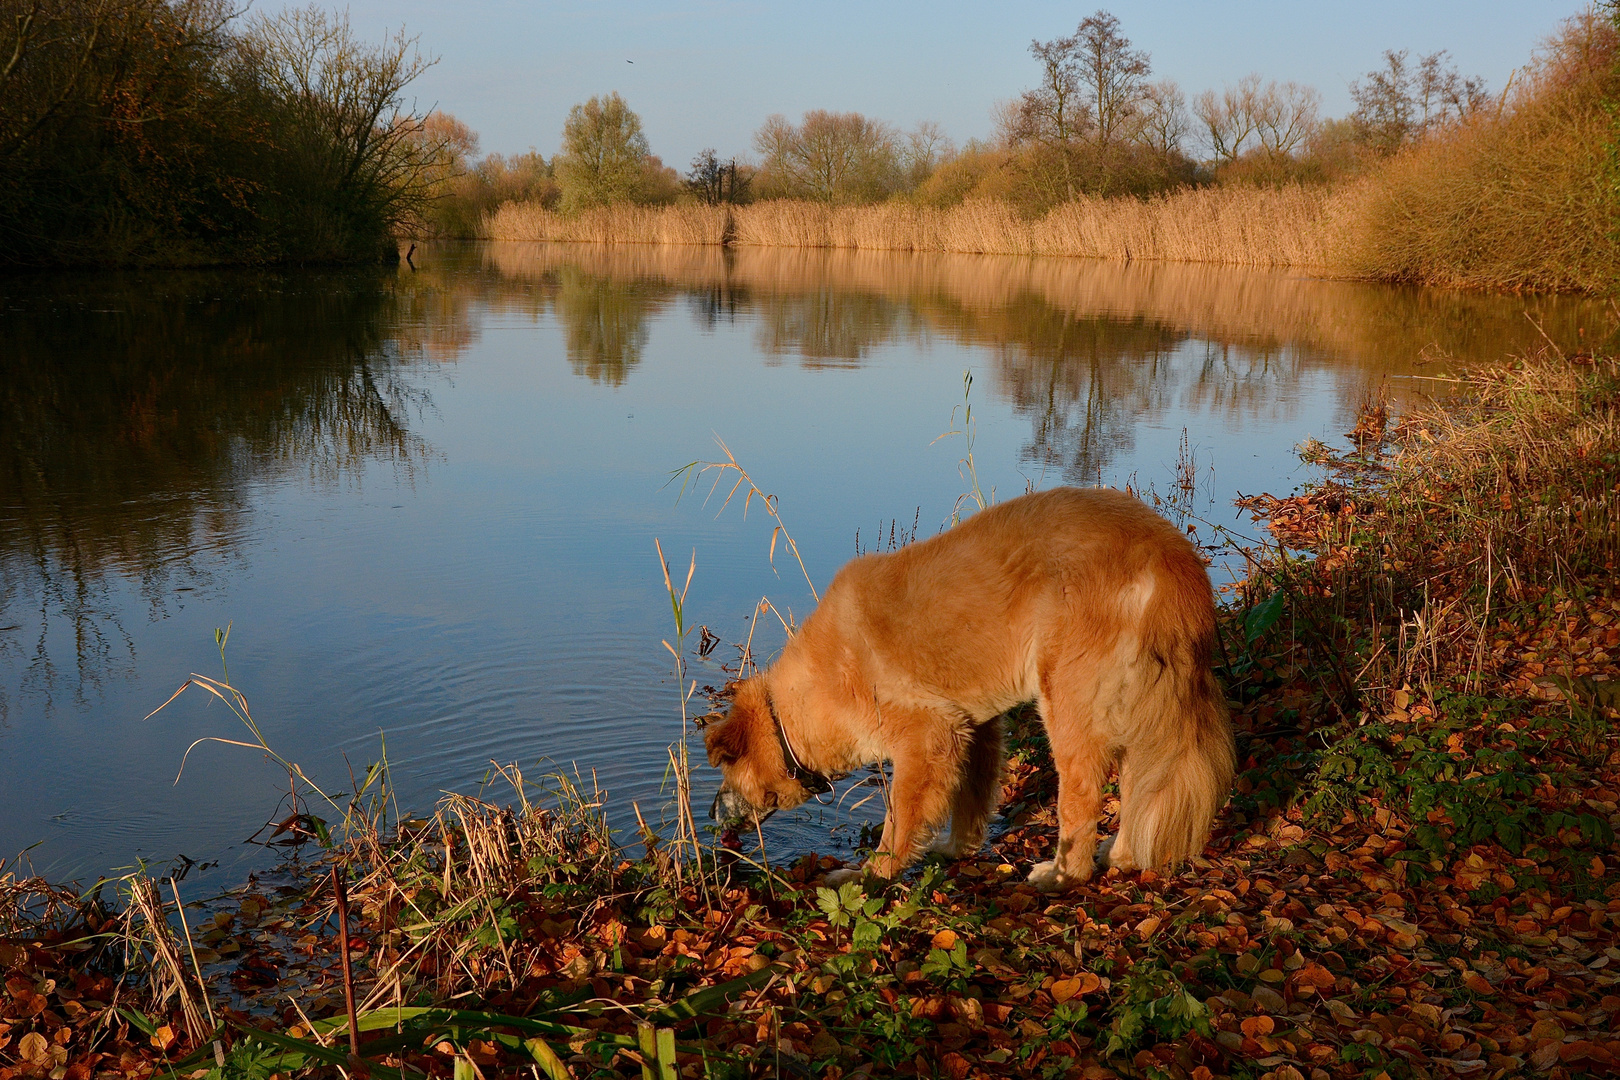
(624, 223)
(1521, 196)
(1245, 226)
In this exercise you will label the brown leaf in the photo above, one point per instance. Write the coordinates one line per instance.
(1064, 989)
(1256, 1026)
(33, 1049)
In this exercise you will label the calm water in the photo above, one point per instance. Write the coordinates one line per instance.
(426, 501)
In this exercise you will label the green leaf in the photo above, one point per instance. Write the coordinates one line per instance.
(139, 1022)
(711, 999)
(1262, 617)
(545, 1057)
(312, 1049)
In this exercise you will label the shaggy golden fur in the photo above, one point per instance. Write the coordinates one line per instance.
(1083, 601)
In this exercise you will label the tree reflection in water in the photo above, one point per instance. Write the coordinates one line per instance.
(135, 415)
(1085, 350)
(605, 322)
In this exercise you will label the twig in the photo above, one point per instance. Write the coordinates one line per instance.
(357, 1064)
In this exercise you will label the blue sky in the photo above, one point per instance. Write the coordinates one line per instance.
(707, 72)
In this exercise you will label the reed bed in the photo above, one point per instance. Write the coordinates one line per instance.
(1241, 226)
(623, 223)
(1522, 196)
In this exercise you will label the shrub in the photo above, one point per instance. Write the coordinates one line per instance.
(1520, 197)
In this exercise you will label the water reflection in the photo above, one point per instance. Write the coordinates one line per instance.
(605, 322)
(1086, 351)
(136, 412)
(134, 418)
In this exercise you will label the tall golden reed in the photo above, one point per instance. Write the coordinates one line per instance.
(1244, 226)
(622, 223)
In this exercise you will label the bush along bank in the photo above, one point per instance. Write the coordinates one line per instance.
(1415, 876)
(185, 133)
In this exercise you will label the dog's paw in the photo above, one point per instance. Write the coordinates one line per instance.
(835, 878)
(1110, 857)
(1048, 878)
(951, 847)
(1045, 877)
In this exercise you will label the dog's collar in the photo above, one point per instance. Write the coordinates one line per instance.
(813, 782)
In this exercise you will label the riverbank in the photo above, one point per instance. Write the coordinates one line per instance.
(1415, 872)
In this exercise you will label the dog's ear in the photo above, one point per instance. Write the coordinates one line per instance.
(725, 741)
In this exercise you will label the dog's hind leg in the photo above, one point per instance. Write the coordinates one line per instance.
(977, 792)
(1082, 762)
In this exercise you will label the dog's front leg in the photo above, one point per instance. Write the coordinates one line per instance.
(926, 766)
(925, 772)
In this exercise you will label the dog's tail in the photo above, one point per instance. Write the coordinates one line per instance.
(1179, 757)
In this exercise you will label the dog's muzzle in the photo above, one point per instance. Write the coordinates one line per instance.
(731, 809)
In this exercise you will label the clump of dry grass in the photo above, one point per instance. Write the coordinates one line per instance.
(448, 886)
(1521, 197)
(1496, 512)
(1529, 466)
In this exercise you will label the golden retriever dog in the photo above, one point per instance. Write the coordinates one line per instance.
(1083, 601)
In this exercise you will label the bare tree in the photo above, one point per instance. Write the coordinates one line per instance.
(716, 181)
(1053, 112)
(1285, 116)
(341, 108)
(923, 149)
(1228, 118)
(835, 157)
(1112, 76)
(1400, 102)
(1443, 95)
(1164, 122)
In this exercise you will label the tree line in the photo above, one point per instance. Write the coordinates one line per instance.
(183, 132)
(1096, 122)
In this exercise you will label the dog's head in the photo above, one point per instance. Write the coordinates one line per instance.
(746, 749)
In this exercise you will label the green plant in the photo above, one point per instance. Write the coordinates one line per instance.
(1480, 794)
(1150, 1002)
